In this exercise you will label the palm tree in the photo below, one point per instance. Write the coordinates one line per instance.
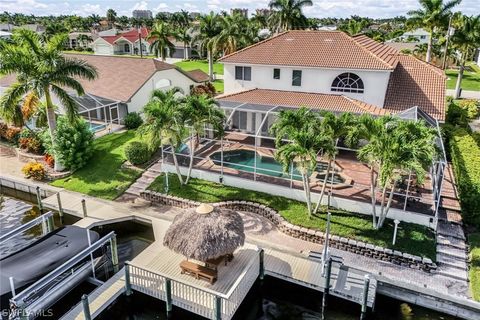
(161, 45)
(206, 32)
(183, 35)
(199, 112)
(466, 39)
(163, 123)
(111, 17)
(287, 14)
(332, 129)
(398, 148)
(233, 34)
(354, 27)
(84, 40)
(300, 128)
(53, 29)
(41, 71)
(433, 15)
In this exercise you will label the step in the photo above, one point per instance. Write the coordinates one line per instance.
(443, 260)
(157, 167)
(451, 242)
(450, 230)
(452, 252)
(453, 272)
(145, 180)
(134, 190)
(150, 174)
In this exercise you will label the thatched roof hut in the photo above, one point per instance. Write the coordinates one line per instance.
(205, 233)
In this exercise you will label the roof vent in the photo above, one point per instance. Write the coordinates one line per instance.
(328, 40)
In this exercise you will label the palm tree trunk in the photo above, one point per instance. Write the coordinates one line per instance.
(306, 188)
(177, 168)
(323, 186)
(372, 195)
(382, 207)
(389, 203)
(210, 64)
(52, 125)
(185, 51)
(429, 48)
(190, 166)
(458, 86)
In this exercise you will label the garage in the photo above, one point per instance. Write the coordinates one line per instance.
(101, 48)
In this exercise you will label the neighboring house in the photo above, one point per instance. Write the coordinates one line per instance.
(5, 35)
(35, 27)
(6, 27)
(179, 53)
(402, 45)
(417, 35)
(332, 71)
(75, 40)
(124, 85)
(122, 43)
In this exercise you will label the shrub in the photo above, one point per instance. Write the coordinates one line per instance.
(207, 89)
(73, 143)
(12, 134)
(34, 170)
(470, 108)
(30, 141)
(49, 160)
(3, 130)
(133, 120)
(465, 154)
(137, 152)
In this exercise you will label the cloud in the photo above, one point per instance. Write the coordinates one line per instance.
(142, 5)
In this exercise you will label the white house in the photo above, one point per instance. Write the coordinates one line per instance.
(417, 35)
(328, 64)
(123, 43)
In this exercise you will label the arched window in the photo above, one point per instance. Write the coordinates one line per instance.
(126, 47)
(348, 82)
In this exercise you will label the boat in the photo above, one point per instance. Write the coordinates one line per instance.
(42, 256)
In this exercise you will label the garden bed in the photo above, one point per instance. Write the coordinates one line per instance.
(411, 238)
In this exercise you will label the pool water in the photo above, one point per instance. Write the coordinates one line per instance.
(244, 160)
(94, 127)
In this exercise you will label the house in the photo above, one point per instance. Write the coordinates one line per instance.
(5, 35)
(6, 27)
(123, 43)
(417, 35)
(123, 85)
(323, 65)
(81, 39)
(35, 27)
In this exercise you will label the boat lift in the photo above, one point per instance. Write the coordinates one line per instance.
(45, 219)
(39, 296)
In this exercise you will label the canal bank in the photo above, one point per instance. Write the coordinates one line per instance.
(100, 211)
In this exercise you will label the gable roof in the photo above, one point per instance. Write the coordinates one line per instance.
(416, 83)
(119, 78)
(131, 35)
(318, 101)
(313, 48)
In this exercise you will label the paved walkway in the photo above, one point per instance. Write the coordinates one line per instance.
(465, 94)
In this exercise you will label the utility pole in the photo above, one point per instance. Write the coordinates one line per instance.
(446, 43)
(140, 40)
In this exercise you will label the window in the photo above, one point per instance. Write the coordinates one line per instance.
(348, 82)
(297, 78)
(243, 73)
(276, 74)
(126, 47)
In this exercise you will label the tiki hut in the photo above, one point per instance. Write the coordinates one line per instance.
(205, 233)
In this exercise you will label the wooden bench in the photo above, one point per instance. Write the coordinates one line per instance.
(200, 272)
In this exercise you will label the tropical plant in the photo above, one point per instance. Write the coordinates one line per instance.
(111, 17)
(466, 40)
(396, 148)
(333, 129)
(433, 15)
(200, 112)
(84, 39)
(354, 27)
(132, 120)
(288, 15)
(161, 45)
(34, 170)
(184, 36)
(234, 34)
(54, 29)
(72, 144)
(300, 129)
(42, 70)
(163, 123)
(137, 152)
(205, 35)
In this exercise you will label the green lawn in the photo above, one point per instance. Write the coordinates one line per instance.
(411, 238)
(103, 176)
(218, 84)
(474, 241)
(190, 65)
(470, 81)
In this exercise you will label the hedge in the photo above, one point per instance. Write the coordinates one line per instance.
(465, 154)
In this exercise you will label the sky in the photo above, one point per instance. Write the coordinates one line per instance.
(320, 8)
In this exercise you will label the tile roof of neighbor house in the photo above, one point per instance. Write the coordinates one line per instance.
(198, 75)
(131, 35)
(119, 78)
(416, 83)
(310, 48)
(320, 101)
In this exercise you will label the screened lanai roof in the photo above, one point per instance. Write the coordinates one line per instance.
(89, 102)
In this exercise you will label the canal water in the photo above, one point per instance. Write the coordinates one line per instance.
(271, 300)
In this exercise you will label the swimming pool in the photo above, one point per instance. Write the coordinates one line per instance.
(244, 160)
(94, 127)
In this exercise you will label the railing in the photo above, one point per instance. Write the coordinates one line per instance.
(201, 301)
(45, 220)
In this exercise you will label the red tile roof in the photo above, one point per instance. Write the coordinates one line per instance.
(309, 48)
(131, 35)
(416, 83)
(320, 101)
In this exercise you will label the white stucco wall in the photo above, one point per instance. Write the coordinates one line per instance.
(313, 80)
(107, 48)
(176, 79)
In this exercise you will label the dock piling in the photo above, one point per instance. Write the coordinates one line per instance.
(113, 247)
(366, 286)
(128, 284)
(328, 274)
(84, 208)
(12, 286)
(168, 296)
(261, 273)
(86, 308)
(39, 199)
(60, 209)
(218, 308)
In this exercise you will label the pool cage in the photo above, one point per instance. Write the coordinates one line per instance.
(247, 130)
(101, 113)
